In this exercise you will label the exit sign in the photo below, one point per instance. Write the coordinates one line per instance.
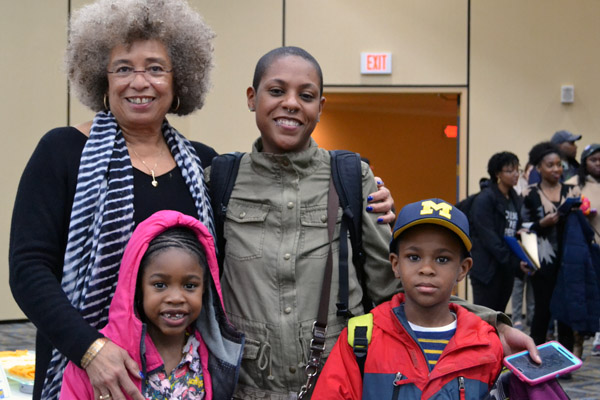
(375, 63)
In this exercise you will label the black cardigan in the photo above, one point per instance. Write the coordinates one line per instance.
(38, 238)
(490, 251)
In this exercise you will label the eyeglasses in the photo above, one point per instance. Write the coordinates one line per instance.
(153, 73)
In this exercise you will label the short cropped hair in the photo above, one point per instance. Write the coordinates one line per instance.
(97, 28)
(500, 160)
(265, 62)
(541, 150)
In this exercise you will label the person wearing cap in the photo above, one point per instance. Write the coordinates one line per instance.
(422, 346)
(588, 179)
(565, 141)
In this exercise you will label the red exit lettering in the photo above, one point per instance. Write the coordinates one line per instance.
(376, 62)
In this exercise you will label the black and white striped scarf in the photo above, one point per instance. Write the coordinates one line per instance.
(102, 223)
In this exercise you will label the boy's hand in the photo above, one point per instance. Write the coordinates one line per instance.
(513, 341)
(381, 202)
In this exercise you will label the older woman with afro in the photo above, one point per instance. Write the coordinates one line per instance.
(86, 187)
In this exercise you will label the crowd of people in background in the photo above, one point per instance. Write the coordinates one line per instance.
(529, 200)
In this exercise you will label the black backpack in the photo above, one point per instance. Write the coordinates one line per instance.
(347, 178)
(466, 204)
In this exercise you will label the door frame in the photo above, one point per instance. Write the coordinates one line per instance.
(462, 168)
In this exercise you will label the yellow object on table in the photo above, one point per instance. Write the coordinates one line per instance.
(19, 365)
(14, 353)
(24, 371)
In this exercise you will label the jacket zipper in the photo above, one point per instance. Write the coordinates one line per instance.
(396, 392)
(461, 387)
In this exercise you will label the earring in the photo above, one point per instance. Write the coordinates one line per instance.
(178, 104)
(251, 109)
(106, 102)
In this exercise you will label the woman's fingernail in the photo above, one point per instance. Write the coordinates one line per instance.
(142, 375)
(369, 208)
(380, 182)
(380, 220)
(370, 198)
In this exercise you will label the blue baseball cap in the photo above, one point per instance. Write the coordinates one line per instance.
(432, 211)
(564, 136)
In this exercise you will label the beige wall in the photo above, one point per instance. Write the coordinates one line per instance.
(521, 52)
(426, 37)
(34, 100)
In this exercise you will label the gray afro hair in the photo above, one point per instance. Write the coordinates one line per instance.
(97, 28)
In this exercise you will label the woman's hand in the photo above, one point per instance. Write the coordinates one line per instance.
(513, 341)
(382, 202)
(525, 268)
(109, 373)
(549, 220)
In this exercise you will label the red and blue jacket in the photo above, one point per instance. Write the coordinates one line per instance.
(396, 366)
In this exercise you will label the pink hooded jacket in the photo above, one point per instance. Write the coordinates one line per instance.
(220, 344)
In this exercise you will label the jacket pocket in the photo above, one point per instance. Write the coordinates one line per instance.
(314, 240)
(396, 386)
(245, 229)
(256, 365)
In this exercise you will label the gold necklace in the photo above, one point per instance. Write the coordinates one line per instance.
(154, 181)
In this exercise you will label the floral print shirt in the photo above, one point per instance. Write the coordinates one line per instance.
(186, 382)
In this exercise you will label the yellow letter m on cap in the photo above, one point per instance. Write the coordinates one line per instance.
(442, 208)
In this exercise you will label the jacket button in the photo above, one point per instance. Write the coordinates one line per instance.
(287, 256)
(290, 205)
(293, 370)
(287, 310)
(323, 218)
(242, 214)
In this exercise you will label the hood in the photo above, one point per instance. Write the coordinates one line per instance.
(125, 328)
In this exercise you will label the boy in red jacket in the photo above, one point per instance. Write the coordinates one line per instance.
(422, 346)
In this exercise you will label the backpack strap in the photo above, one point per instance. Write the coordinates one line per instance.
(360, 331)
(223, 172)
(346, 172)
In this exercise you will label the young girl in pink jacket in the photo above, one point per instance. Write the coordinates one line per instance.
(167, 312)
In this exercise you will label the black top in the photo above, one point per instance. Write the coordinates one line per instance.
(490, 251)
(171, 190)
(38, 238)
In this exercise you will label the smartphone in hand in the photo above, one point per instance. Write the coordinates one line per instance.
(556, 360)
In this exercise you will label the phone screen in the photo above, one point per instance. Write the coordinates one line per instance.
(552, 361)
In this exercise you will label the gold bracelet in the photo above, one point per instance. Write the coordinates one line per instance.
(92, 352)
